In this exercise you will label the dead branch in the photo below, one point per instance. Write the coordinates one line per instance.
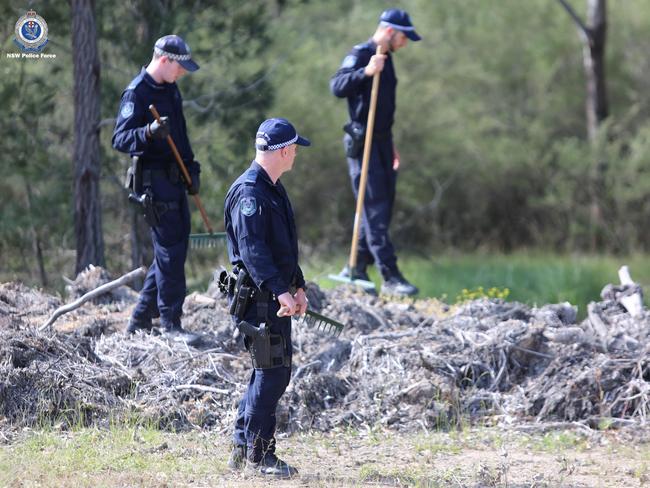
(127, 278)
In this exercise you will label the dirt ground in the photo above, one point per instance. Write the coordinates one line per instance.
(473, 457)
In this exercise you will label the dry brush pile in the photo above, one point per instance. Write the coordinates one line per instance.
(399, 364)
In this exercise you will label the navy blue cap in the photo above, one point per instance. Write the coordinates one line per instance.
(274, 134)
(400, 20)
(176, 49)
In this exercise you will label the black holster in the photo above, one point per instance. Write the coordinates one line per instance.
(146, 206)
(356, 134)
(267, 350)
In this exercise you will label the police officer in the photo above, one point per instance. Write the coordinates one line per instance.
(353, 81)
(263, 247)
(140, 135)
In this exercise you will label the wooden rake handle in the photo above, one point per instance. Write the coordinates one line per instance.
(367, 147)
(183, 169)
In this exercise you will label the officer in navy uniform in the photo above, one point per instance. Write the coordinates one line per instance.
(353, 81)
(263, 247)
(140, 135)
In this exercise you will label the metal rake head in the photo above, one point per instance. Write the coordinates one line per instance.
(200, 241)
(321, 322)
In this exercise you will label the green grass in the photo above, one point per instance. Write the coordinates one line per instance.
(534, 278)
(53, 457)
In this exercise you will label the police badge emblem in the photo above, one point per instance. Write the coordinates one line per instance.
(127, 110)
(248, 206)
(31, 32)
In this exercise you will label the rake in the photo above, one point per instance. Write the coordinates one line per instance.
(210, 238)
(367, 146)
(317, 321)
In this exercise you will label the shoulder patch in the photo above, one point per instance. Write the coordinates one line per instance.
(248, 206)
(349, 62)
(127, 110)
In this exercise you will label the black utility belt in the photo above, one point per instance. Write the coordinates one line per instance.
(171, 174)
(382, 136)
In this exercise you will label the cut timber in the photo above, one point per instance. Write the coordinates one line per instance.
(632, 295)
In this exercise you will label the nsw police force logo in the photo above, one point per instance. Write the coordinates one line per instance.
(31, 32)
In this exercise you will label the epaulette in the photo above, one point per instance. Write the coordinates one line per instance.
(135, 82)
(251, 178)
(361, 47)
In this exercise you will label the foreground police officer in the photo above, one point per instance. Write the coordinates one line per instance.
(158, 186)
(263, 247)
(353, 81)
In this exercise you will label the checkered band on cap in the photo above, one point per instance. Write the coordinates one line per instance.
(172, 56)
(385, 23)
(274, 147)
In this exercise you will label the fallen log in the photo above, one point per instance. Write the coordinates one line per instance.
(127, 278)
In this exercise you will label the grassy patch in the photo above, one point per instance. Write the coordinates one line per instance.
(529, 277)
(96, 456)
(557, 442)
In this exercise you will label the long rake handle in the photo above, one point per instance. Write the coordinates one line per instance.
(367, 147)
(183, 169)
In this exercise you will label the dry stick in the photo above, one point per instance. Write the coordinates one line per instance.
(183, 169)
(370, 126)
(106, 287)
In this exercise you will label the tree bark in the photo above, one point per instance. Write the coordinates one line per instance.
(87, 202)
(593, 34)
(36, 238)
(594, 62)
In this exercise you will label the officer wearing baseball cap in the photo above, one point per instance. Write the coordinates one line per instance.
(353, 81)
(263, 247)
(158, 179)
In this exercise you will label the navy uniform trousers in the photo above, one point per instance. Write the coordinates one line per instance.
(164, 288)
(374, 243)
(256, 413)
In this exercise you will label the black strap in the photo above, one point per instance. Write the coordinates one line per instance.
(262, 299)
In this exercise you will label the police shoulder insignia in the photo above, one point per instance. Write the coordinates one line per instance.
(349, 62)
(127, 110)
(248, 206)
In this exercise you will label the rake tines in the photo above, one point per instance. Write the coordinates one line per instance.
(201, 241)
(321, 322)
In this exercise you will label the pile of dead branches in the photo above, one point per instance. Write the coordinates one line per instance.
(400, 364)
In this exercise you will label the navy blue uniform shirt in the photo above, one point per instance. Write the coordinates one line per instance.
(351, 82)
(262, 232)
(134, 116)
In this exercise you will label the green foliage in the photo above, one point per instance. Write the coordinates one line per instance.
(490, 123)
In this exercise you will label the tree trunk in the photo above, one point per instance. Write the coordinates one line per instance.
(593, 34)
(594, 62)
(36, 238)
(87, 202)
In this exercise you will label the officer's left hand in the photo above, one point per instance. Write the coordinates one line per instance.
(193, 189)
(396, 159)
(301, 301)
(287, 305)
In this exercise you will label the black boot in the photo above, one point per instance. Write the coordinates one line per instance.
(237, 459)
(177, 333)
(136, 325)
(397, 285)
(271, 466)
(360, 273)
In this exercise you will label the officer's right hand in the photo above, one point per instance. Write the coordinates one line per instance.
(375, 65)
(158, 130)
(288, 305)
